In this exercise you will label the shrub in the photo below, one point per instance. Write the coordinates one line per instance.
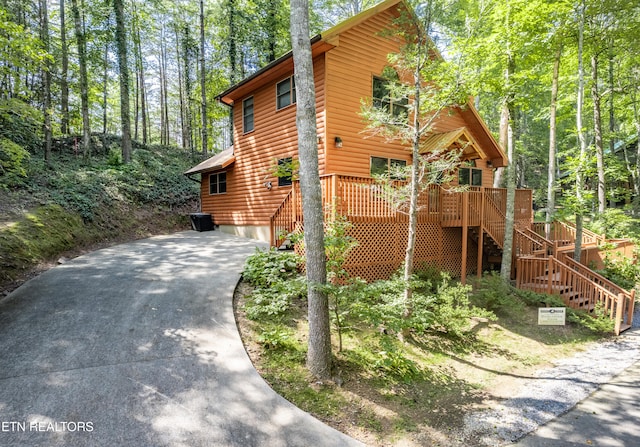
(13, 159)
(266, 267)
(274, 274)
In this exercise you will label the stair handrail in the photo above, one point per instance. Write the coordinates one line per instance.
(613, 304)
(491, 208)
(521, 250)
(548, 245)
(281, 222)
(595, 276)
(596, 238)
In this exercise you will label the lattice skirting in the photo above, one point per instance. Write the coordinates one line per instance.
(381, 249)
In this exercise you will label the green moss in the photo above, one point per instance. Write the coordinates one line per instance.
(40, 234)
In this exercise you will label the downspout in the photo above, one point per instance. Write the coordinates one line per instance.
(199, 182)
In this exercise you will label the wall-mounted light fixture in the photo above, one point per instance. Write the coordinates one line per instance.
(338, 142)
(489, 164)
(268, 185)
(319, 139)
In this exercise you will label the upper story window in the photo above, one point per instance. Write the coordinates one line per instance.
(383, 97)
(218, 183)
(470, 176)
(285, 93)
(285, 164)
(388, 167)
(247, 115)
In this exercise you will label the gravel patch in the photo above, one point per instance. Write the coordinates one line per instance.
(554, 391)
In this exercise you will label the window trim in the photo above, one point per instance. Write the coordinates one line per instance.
(245, 115)
(285, 181)
(291, 92)
(218, 183)
(390, 161)
(471, 171)
(397, 107)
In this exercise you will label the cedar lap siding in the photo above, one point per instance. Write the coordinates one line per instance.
(346, 60)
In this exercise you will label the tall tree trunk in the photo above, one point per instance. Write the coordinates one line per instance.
(319, 352)
(551, 172)
(183, 124)
(105, 95)
(597, 128)
(164, 102)
(46, 81)
(509, 225)
(188, 118)
(140, 78)
(203, 84)
(582, 141)
(64, 83)
(123, 66)
(233, 52)
(502, 141)
(84, 79)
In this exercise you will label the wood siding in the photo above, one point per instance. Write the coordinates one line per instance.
(360, 55)
(343, 78)
(248, 201)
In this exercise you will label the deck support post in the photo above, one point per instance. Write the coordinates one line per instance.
(619, 310)
(550, 275)
(465, 235)
(481, 234)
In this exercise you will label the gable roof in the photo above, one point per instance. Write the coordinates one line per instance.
(320, 44)
(486, 144)
(218, 161)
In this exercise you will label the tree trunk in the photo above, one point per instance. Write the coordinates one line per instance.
(123, 66)
(551, 172)
(203, 84)
(46, 82)
(508, 113)
(164, 102)
(597, 129)
(140, 78)
(582, 141)
(84, 80)
(183, 124)
(502, 141)
(64, 83)
(319, 352)
(105, 95)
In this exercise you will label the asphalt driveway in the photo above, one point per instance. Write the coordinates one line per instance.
(136, 345)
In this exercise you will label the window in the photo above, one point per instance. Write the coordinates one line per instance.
(285, 93)
(285, 164)
(382, 98)
(470, 176)
(218, 183)
(247, 115)
(383, 166)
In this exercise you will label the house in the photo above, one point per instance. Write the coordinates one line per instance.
(461, 232)
(238, 188)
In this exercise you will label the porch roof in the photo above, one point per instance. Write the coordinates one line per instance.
(218, 161)
(456, 139)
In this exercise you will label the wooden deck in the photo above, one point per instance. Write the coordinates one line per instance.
(542, 254)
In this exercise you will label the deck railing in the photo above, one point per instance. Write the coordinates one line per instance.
(564, 233)
(578, 290)
(364, 199)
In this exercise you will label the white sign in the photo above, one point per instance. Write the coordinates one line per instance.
(552, 316)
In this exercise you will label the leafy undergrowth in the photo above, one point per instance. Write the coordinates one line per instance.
(75, 204)
(414, 392)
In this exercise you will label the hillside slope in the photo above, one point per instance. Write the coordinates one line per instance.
(77, 204)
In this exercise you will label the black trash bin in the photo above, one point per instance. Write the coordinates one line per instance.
(201, 221)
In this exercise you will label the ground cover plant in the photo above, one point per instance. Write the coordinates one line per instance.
(468, 346)
(73, 203)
